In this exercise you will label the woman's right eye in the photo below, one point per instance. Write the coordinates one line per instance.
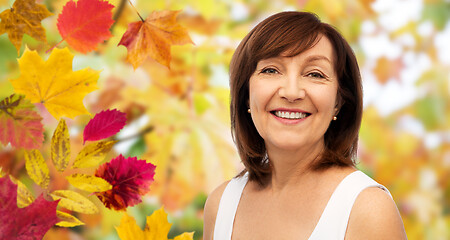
(269, 71)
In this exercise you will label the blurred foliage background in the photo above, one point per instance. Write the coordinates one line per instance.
(178, 118)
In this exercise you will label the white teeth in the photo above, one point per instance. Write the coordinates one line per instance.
(290, 115)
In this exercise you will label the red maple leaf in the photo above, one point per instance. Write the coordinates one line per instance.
(19, 124)
(130, 179)
(85, 23)
(31, 222)
(104, 124)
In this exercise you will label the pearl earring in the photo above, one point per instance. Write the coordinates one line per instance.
(248, 110)
(334, 118)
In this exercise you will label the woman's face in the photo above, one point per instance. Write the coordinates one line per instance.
(293, 99)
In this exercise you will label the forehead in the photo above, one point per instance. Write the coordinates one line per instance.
(322, 49)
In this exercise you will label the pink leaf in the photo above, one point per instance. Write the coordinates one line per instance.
(27, 223)
(19, 124)
(130, 179)
(104, 124)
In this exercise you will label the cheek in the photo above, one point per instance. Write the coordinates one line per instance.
(326, 100)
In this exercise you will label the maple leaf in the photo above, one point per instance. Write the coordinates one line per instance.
(104, 124)
(24, 18)
(19, 124)
(157, 228)
(53, 83)
(130, 179)
(31, 222)
(153, 38)
(85, 23)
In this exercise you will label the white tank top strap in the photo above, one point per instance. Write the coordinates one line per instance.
(228, 206)
(333, 222)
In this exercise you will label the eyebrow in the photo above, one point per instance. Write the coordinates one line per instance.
(314, 58)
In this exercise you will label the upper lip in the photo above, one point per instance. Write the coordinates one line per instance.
(289, 110)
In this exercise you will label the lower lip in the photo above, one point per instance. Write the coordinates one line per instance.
(289, 121)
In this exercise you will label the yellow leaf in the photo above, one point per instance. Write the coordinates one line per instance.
(128, 229)
(1, 172)
(53, 83)
(185, 236)
(74, 201)
(67, 220)
(89, 183)
(37, 168)
(61, 146)
(153, 38)
(157, 228)
(24, 18)
(93, 154)
(24, 196)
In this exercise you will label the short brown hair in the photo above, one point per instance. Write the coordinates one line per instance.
(293, 33)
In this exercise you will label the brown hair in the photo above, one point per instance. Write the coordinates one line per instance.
(294, 32)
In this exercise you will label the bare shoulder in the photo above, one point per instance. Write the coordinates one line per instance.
(375, 216)
(210, 211)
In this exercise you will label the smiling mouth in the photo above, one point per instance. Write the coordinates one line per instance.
(290, 115)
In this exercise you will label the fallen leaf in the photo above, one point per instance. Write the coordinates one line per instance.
(27, 223)
(19, 124)
(24, 196)
(61, 146)
(130, 179)
(85, 23)
(387, 69)
(93, 154)
(53, 83)
(153, 38)
(157, 228)
(88, 183)
(74, 201)
(37, 168)
(67, 220)
(24, 18)
(104, 124)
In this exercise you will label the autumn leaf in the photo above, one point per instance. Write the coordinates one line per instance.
(74, 201)
(37, 168)
(85, 23)
(67, 220)
(61, 146)
(104, 124)
(53, 83)
(24, 18)
(24, 196)
(387, 69)
(27, 223)
(88, 183)
(153, 38)
(130, 179)
(157, 228)
(93, 154)
(19, 124)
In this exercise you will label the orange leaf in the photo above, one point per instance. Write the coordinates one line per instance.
(153, 38)
(23, 18)
(85, 24)
(386, 69)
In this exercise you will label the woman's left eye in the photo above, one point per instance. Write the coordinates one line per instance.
(315, 75)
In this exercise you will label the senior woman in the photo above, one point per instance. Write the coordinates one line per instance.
(296, 109)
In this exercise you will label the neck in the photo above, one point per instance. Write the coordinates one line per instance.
(291, 168)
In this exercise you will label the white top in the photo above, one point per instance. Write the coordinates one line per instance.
(332, 223)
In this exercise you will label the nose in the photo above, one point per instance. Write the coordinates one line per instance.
(292, 89)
